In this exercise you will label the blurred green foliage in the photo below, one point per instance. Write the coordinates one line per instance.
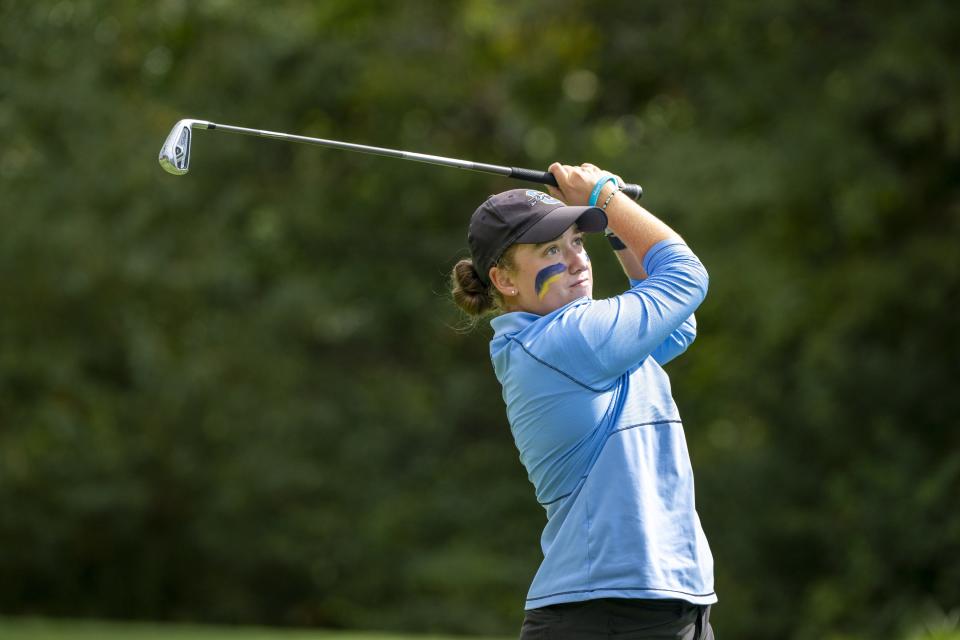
(240, 395)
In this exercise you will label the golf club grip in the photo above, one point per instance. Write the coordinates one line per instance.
(634, 191)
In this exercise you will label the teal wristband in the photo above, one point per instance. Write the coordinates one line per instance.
(597, 188)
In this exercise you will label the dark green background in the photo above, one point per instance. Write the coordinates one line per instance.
(242, 396)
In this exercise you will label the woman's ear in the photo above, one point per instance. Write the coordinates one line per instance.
(503, 281)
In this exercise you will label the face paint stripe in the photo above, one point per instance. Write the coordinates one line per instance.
(546, 286)
(546, 277)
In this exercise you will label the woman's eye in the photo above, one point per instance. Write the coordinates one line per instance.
(578, 240)
(551, 250)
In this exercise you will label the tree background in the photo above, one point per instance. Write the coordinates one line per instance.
(244, 396)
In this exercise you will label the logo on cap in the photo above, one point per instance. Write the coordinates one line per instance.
(534, 196)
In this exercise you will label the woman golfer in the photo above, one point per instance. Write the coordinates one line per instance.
(590, 407)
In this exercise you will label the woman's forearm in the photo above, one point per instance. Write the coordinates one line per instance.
(635, 226)
(632, 265)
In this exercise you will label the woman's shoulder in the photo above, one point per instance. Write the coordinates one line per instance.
(516, 322)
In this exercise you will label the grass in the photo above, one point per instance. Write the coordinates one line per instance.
(47, 629)
(947, 628)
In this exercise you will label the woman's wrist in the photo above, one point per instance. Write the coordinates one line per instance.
(606, 200)
(602, 189)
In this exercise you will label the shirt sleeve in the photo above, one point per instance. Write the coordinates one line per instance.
(677, 342)
(597, 342)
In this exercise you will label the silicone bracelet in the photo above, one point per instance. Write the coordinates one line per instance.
(597, 188)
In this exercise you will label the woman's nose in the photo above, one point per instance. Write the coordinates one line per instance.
(578, 260)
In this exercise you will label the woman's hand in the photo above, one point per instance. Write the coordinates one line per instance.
(576, 183)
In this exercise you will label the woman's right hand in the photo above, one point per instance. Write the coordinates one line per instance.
(576, 183)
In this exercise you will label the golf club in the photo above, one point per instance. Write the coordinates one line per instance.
(175, 154)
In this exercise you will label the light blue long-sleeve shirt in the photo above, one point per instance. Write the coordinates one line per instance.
(593, 418)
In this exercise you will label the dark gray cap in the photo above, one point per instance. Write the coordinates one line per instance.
(523, 215)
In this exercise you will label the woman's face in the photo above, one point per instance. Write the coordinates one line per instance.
(546, 276)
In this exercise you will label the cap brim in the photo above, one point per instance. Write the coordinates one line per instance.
(552, 225)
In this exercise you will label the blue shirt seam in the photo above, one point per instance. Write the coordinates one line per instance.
(609, 435)
(564, 593)
(588, 524)
(643, 424)
(557, 369)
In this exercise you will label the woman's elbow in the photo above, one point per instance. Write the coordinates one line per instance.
(704, 279)
(688, 331)
(700, 281)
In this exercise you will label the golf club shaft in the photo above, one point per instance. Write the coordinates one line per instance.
(542, 177)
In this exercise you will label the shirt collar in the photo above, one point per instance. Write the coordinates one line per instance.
(516, 321)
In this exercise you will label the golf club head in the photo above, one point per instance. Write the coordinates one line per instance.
(175, 152)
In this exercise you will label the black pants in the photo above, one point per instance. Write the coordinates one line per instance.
(619, 618)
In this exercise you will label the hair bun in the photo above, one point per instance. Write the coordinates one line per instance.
(469, 291)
